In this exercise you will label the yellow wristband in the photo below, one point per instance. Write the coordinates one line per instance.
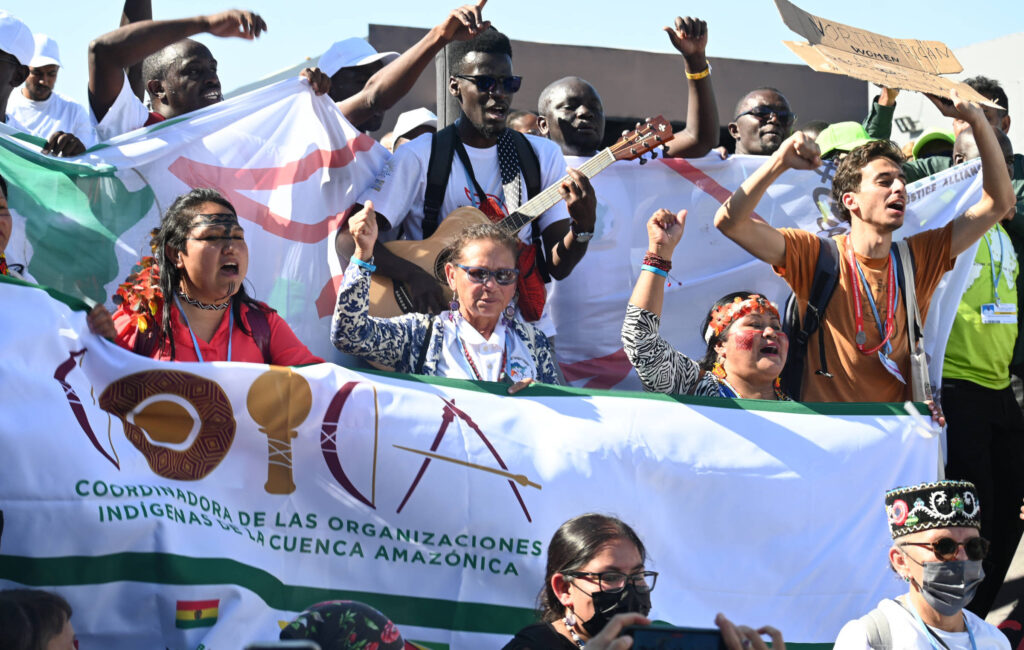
(694, 76)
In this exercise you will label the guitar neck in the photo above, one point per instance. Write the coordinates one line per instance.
(540, 204)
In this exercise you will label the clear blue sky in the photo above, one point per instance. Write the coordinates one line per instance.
(744, 29)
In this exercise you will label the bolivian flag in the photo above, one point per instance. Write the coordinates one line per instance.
(196, 613)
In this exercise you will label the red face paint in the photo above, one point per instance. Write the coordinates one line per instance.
(744, 339)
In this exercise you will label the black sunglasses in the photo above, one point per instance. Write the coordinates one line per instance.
(945, 548)
(486, 83)
(764, 112)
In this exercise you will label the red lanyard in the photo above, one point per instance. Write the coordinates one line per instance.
(858, 314)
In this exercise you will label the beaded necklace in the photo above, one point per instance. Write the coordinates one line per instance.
(724, 388)
(502, 373)
(570, 624)
(202, 305)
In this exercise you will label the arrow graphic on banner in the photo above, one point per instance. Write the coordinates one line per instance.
(518, 478)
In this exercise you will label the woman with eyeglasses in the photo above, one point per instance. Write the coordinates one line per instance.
(938, 551)
(188, 303)
(596, 581)
(479, 337)
(746, 348)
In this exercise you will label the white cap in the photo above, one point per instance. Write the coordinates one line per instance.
(46, 52)
(15, 38)
(349, 53)
(409, 120)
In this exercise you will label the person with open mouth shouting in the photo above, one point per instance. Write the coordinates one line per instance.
(746, 346)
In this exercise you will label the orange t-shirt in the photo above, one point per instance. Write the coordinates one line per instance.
(859, 377)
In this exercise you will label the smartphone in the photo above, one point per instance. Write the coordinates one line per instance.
(291, 644)
(650, 637)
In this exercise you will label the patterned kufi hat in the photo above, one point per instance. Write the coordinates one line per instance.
(943, 504)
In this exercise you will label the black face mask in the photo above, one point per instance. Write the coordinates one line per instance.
(607, 604)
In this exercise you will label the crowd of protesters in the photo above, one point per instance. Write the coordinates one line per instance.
(485, 318)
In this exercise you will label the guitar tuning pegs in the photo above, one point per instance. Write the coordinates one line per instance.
(632, 151)
(654, 154)
(664, 150)
(643, 161)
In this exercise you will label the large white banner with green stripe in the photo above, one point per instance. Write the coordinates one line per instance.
(202, 505)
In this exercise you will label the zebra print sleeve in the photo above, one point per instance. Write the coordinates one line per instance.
(661, 368)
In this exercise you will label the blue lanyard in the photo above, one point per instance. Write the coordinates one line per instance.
(195, 343)
(932, 636)
(992, 262)
(887, 350)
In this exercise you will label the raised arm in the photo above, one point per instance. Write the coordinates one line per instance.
(136, 11)
(997, 196)
(111, 53)
(735, 217)
(393, 81)
(690, 37)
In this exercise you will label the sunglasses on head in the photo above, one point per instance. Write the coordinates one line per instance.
(480, 274)
(945, 549)
(486, 83)
(762, 113)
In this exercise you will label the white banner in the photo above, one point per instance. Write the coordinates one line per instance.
(588, 307)
(186, 505)
(287, 160)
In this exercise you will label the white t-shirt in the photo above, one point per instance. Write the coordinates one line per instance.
(56, 113)
(461, 339)
(397, 192)
(126, 114)
(908, 635)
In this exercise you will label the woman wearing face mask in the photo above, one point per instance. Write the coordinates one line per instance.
(480, 337)
(746, 346)
(595, 572)
(937, 550)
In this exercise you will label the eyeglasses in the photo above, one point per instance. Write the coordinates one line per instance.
(762, 113)
(486, 83)
(480, 274)
(615, 581)
(945, 549)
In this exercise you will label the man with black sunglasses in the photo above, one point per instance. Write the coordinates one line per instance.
(763, 120)
(937, 550)
(483, 164)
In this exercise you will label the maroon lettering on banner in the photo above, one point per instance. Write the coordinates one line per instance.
(61, 375)
(216, 420)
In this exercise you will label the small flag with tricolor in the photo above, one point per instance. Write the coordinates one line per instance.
(196, 613)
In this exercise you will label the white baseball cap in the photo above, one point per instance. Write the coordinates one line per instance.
(46, 52)
(409, 120)
(350, 53)
(15, 38)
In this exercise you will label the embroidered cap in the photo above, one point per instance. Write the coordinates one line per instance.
(942, 504)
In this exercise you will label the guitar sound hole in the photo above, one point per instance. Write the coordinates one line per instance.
(443, 258)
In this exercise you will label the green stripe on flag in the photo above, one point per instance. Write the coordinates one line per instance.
(169, 569)
(202, 622)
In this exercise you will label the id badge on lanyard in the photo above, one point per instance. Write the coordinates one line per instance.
(997, 313)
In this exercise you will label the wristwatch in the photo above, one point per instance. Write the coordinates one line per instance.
(582, 237)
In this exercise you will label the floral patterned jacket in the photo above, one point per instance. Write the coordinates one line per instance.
(399, 342)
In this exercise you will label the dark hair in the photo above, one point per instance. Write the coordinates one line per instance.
(848, 173)
(990, 89)
(744, 98)
(479, 231)
(173, 233)
(815, 126)
(515, 115)
(575, 543)
(15, 628)
(3, 186)
(490, 41)
(711, 355)
(45, 612)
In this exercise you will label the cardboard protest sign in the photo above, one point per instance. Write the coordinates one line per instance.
(904, 63)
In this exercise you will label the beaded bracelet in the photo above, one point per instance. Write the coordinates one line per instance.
(366, 265)
(657, 261)
(653, 269)
(694, 76)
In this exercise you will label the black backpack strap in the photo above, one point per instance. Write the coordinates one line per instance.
(823, 285)
(426, 347)
(529, 164)
(442, 152)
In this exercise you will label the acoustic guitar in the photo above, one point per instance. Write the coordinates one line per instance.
(391, 298)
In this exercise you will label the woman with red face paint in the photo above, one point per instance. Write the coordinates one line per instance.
(746, 347)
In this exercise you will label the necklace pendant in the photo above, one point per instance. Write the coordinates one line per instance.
(861, 338)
